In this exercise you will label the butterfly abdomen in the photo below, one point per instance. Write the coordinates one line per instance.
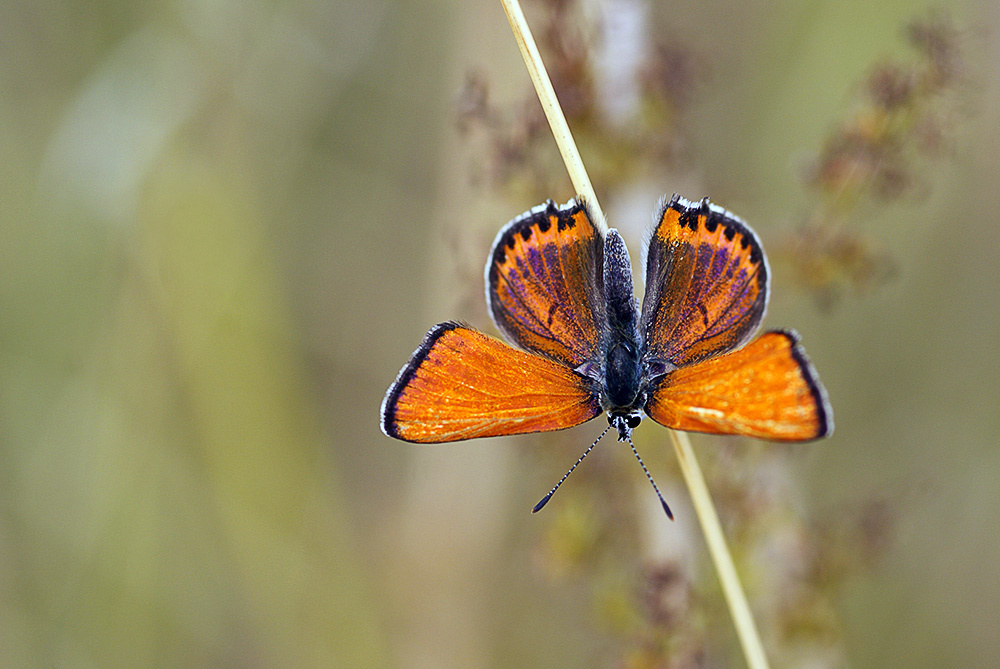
(622, 376)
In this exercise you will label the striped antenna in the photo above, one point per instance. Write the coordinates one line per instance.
(666, 508)
(545, 500)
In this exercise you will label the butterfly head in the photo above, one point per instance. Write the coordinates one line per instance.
(624, 423)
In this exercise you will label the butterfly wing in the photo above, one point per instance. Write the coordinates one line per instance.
(767, 389)
(462, 384)
(706, 284)
(544, 286)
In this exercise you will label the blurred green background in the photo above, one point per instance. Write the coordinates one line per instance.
(226, 225)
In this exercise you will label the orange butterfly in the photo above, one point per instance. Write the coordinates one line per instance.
(560, 289)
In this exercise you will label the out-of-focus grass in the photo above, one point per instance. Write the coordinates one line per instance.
(169, 495)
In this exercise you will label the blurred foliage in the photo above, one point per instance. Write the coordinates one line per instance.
(226, 224)
(907, 115)
(165, 494)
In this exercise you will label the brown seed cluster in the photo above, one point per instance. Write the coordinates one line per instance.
(903, 122)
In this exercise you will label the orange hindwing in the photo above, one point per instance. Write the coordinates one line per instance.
(767, 389)
(462, 384)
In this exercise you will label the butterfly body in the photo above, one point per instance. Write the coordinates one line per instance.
(562, 291)
(622, 350)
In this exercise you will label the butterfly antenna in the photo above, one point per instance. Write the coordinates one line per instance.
(545, 500)
(666, 508)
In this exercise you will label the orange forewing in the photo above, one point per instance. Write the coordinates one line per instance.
(542, 283)
(706, 284)
(462, 384)
(767, 389)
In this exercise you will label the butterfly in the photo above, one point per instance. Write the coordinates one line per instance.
(561, 290)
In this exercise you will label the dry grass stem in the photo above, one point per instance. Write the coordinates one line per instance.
(736, 599)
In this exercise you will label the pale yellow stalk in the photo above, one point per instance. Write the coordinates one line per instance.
(753, 649)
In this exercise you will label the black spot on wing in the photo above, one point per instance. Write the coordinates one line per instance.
(714, 216)
(704, 314)
(525, 224)
(551, 315)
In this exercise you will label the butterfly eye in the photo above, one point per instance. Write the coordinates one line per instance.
(633, 421)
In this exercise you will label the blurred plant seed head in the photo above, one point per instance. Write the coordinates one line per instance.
(903, 121)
